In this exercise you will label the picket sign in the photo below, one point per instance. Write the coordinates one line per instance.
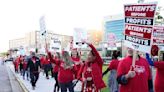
(139, 23)
(79, 36)
(55, 44)
(158, 35)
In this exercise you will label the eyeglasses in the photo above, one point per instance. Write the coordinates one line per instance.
(78, 43)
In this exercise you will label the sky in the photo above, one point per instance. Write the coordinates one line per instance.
(18, 17)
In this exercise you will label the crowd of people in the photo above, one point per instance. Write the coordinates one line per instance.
(68, 68)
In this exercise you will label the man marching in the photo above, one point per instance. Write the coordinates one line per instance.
(34, 66)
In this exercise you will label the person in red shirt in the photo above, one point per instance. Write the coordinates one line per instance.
(57, 58)
(66, 71)
(25, 68)
(42, 58)
(21, 60)
(159, 65)
(16, 64)
(112, 80)
(134, 79)
(46, 65)
(91, 72)
(75, 56)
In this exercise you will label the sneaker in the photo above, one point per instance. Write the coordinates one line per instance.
(33, 87)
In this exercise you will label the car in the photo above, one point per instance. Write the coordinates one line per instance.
(9, 59)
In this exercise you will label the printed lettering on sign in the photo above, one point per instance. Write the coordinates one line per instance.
(139, 21)
(158, 35)
(147, 10)
(138, 31)
(137, 40)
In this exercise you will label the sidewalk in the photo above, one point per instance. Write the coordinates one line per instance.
(42, 85)
(8, 80)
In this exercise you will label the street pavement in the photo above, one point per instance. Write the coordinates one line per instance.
(7, 81)
(42, 85)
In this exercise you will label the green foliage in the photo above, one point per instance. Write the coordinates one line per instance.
(158, 17)
(105, 78)
(3, 54)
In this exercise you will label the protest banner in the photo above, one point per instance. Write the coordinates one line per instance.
(139, 22)
(158, 35)
(111, 40)
(42, 26)
(80, 36)
(55, 44)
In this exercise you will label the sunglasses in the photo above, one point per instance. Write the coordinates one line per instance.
(79, 43)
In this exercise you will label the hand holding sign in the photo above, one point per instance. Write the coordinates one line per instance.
(131, 73)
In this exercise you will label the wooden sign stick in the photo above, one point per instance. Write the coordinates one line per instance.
(134, 58)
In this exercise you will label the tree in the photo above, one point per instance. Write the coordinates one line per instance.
(3, 54)
(159, 19)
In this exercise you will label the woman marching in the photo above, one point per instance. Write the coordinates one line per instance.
(159, 65)
(91, 72)
(75, 56)
(46, 65)
(57, 58)
(66, 71)
(16, 64)
(112, 80)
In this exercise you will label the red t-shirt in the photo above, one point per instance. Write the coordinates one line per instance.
(75, 59)
(56, 67)
(140, 82)
(159, 81)
(42, 60)
(24, 64)
(65, 75)
(46, 61)
(77, 64)
(113, 64)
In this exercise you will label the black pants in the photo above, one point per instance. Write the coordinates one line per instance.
(46, 69)
(56, 84)
(34, 77)
(21, 69)
(68, 85)
(52, 73)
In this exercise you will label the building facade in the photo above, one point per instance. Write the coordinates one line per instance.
(16, 43)
(34, 40)
(114, 24)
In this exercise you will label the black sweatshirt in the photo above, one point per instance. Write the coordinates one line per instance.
(34, 67)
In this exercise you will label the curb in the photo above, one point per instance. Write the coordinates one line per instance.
(21, 84)
(9, 75)
(19, 81)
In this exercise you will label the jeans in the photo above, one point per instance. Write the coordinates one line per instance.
(68, 85)
(34, 77)
(25, 72)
